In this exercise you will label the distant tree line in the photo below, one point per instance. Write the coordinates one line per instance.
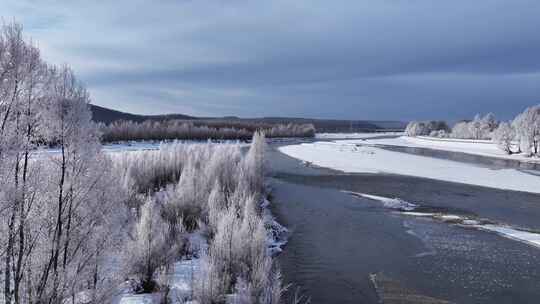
(199, 130)
(520, 135)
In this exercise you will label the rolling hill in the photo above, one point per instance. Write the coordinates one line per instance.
(107, 116)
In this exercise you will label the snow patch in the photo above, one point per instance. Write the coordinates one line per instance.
(419, 214)
(391, 203)
(277, 234)
(181, 280)
(530, 238)
(140, 299)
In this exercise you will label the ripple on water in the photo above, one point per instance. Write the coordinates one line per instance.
(484, 265)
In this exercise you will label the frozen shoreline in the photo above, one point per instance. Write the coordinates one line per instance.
(348, 157)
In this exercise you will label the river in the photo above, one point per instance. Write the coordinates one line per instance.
(338, 240)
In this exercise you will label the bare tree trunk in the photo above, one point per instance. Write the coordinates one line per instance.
(7, 265)
(68, 228)
(53, 260)
(59, 224)
(6, 116)
(22, 224)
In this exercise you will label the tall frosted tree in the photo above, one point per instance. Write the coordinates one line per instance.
(504, 136)
(254, 162)
(50, 214)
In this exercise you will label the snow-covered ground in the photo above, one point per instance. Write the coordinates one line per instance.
(476, 147)
(180, 281)
(277, 234)
(148, 298)
(347, 157)
(135, 146)
(355, 135)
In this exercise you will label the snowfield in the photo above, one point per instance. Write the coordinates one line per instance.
(347, 157)
(476, 147)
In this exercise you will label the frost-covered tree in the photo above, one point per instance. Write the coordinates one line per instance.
(65, 214)
(254, 162)
(527, 127)
(461, 130)
(149, 249)
(200, 129)
(416, 128)
(478, 128)
(475, 127)
(488, 124)
(504, 136)
(216, 206)
(52, 228)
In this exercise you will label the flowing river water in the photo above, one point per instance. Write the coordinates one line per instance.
(337, 240)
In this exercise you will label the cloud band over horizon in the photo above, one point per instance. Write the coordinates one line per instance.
(379, 59)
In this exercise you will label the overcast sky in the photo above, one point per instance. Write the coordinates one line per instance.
(351, 59)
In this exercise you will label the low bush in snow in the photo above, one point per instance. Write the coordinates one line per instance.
(219, 193)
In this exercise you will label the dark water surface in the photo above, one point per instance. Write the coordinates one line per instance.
(337, 240)
(491, 162)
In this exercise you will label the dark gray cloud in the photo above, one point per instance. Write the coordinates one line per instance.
(376, 59)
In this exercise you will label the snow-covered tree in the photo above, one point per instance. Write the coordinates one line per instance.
(52, 228)
(475, 127)
(478, 128)
(489, 124)
(527, 127)
(504, 136)
(416, 128)
(64, 215)
(200, 129)
(254, 162)
(461, 130)
(149, 250)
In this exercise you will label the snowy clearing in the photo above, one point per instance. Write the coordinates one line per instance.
(181, 280)
(140, 299)
(350, 158)
(356, 135)
(476, 147)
